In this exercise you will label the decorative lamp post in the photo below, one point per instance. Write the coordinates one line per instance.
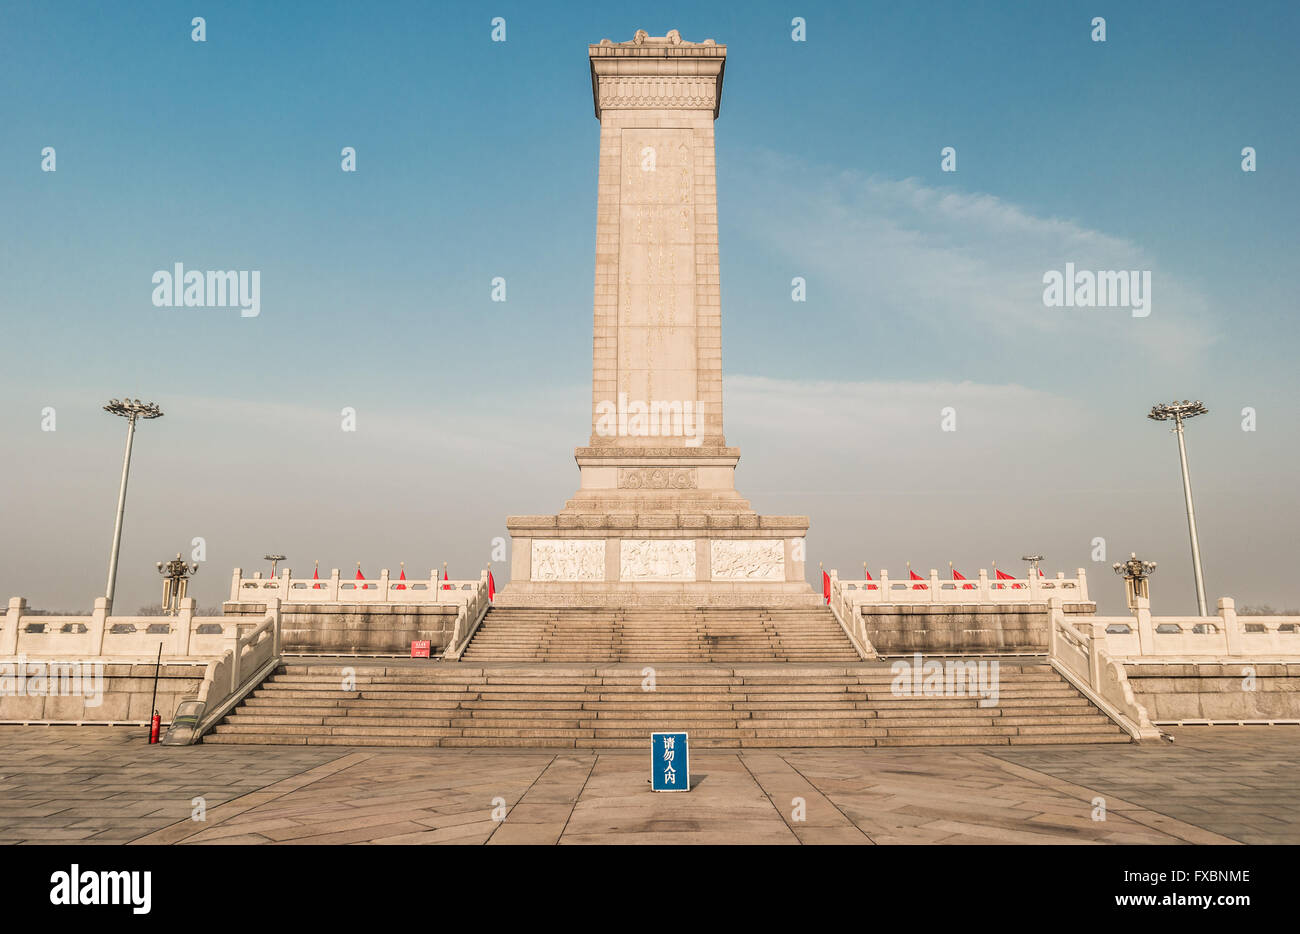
(1135, 572)
(130, 409)
(175, 574)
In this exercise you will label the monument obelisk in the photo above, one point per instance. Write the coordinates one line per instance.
(657, 519)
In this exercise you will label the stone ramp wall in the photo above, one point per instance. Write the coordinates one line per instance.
(125, 691)
(1216, 691)
(902, 629)
(358, 629)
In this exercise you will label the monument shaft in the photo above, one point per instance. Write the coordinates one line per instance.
(658, 314)
(657, 518)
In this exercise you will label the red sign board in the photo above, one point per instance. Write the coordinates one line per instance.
(420, 648)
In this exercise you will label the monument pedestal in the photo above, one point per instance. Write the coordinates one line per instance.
(657, 527)
(683, 559)
(657, 519)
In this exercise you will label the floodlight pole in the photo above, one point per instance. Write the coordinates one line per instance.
(121, 508)
(130, 410)
(1191, 518)
(1179, 412)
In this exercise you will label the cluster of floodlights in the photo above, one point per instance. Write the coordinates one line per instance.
(1163, 411)
(133, 408)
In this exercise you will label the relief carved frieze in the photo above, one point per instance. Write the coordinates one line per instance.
(747, 560)
(657, 478)
(568, 560)
(642, 92)
(657, 560)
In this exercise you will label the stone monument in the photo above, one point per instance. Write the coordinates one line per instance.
(657, 519)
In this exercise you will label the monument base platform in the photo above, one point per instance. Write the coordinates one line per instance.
(534, 596)
(737, 559)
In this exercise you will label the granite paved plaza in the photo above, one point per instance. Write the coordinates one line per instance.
(106, 785)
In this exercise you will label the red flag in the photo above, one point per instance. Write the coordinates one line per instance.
(917, 577)
(826, 586)
(361, 576)
(869, 577)
(315, 575)
(402, 577)
(956, 575)
(1003, 576)
(444, 577)
(492, 588)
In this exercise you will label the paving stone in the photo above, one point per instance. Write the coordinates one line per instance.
(96, 785)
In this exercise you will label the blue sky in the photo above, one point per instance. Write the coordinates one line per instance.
(478, 159)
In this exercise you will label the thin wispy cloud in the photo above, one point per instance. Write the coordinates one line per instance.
(957, 262)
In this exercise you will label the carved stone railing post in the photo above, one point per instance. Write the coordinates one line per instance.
(99, 623)
(12, 624)
(1146, 631)
(185, 623)
(275, 611)
(1232, 631)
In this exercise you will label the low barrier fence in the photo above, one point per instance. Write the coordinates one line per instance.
(229, 678)
(101, 635)
(1225, 635)
(336, 589)
(980, 589)
(1082, 659)
(469, 619)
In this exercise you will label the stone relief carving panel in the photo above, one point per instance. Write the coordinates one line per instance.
(741, 560)
(568, 560)
(657, 560)
(657, 478)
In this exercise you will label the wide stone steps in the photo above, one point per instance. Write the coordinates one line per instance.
(703, 635)
(523, 719)
(405, 698)
(607, 707)
(555, 674)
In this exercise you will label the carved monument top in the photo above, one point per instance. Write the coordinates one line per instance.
(686, 75)
(674, 38)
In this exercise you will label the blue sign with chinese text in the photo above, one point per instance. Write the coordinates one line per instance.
(669, 764)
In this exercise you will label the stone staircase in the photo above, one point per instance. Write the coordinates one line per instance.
(560, 705)
(686, 635)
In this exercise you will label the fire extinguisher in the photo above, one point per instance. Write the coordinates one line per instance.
(154, 726)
